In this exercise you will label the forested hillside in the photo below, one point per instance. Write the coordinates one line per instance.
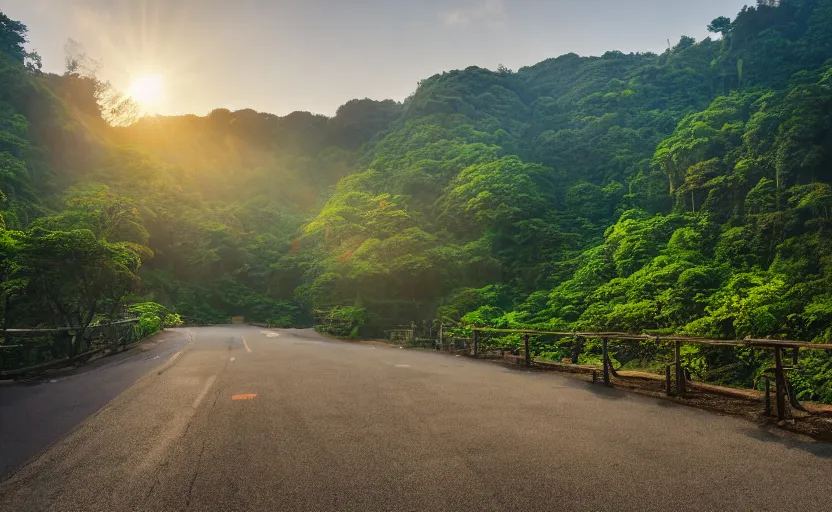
(686, 192)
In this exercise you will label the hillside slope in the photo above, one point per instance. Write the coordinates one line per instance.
(684, 192)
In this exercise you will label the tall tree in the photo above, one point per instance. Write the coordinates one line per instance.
(74, 275)
(721, 25)
(12, 38)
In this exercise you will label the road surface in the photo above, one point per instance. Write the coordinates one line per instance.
(36, 413)
(251, 419)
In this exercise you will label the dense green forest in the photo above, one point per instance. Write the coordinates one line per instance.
(685, 192)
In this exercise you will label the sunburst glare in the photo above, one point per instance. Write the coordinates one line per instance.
(147, 90)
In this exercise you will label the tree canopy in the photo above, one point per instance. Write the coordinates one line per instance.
(688, 192)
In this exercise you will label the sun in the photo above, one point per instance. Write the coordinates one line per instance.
(147, 90)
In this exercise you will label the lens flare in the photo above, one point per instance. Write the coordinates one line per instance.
(147, 90)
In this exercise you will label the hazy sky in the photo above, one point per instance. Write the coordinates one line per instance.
(285, 55)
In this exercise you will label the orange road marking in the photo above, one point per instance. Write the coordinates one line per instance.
(245, 345)
(247, 396)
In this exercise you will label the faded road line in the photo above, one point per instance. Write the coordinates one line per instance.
(204, 391)
(245, 345)
(173, 358)
(172, 431)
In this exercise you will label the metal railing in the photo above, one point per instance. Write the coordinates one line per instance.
(26, 351)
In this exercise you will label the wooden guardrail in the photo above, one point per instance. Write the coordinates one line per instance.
(783, 389)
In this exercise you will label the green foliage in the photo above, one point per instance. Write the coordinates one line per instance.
(685, 192)
(153, 317)
(344, 321)
(66, 279)
(12, 38)
(720, 25)
(149, 324)
(172, 320)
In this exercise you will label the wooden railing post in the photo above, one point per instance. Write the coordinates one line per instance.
(606, 362)
(441, 337)
(528, 352)
(668, 386)
(768, 396)
(576, 349)
(476, 344)
(681, 388)
(779, 384)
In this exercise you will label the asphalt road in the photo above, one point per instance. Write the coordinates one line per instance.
(325, 425)
(35, 414)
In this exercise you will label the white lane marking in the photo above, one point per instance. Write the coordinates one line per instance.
(245, 345)
(269, 334)
(402, 366)
(232, 359)
(204, 391)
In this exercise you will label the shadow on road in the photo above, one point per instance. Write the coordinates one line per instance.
(816, 449)
(598, 389)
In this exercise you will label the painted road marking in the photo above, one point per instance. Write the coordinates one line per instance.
(245, 345)
(269, 334)
(232, 359)
(246, 396)
(204, 391)
(175, 356)
(402, 366)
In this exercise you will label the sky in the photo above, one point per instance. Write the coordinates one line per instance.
(281, 56)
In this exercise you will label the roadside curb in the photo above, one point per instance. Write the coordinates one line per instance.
(175, 357)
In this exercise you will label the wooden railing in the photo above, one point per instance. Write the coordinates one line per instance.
(783, 390)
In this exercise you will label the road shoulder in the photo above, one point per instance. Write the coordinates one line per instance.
(39, 412)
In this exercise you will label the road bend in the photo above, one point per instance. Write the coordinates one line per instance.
(254, 419)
